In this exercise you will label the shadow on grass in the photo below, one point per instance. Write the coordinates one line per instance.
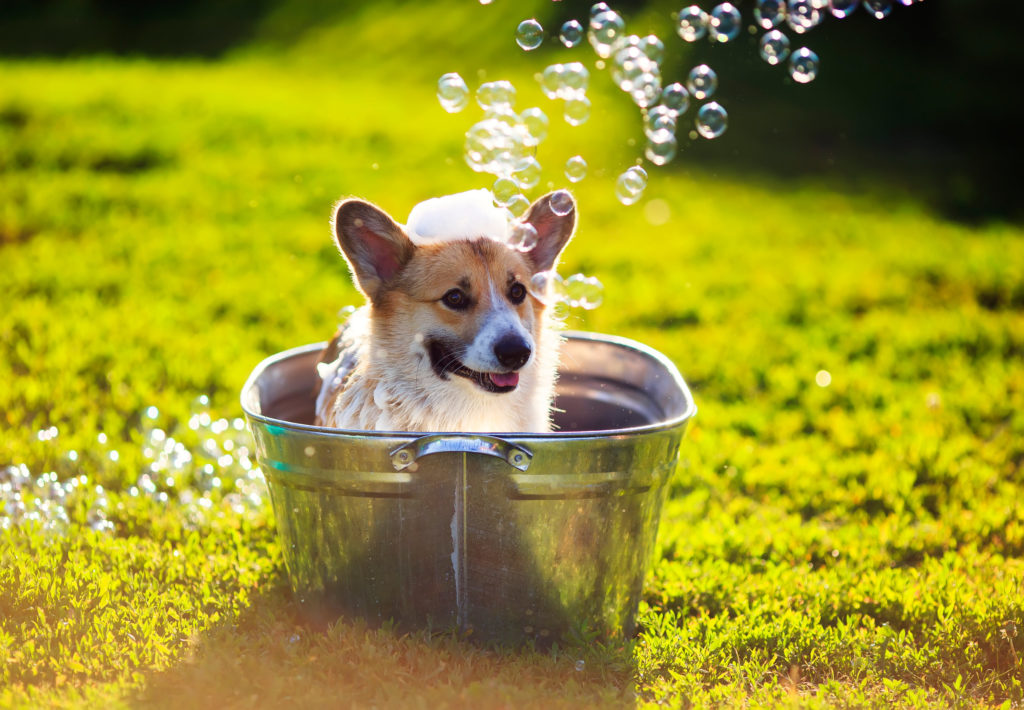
(270, 657)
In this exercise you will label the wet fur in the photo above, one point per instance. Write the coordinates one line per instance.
(385, 379)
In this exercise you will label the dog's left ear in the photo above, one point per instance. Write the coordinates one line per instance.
(554, 218)
(374, 245)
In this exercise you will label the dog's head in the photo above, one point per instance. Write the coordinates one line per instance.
(464, 307)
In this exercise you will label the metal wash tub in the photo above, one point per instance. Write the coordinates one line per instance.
(509, 537)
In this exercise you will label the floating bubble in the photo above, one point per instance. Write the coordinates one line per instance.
(571, 34)
(692, 23)
(496, 95)
(575, 168)
(803, 65)
(712, 120)
(659, 118)
(631, 185)
(770, 13)
(879, 9)
(504, 189)
(561, 203)
(802, 15)
(724, 23)
(529, 34)
(552, 79)
(653, 48)
(541, 283)
(702, 81)
(675, 98)
(597, 8)
(577, 110)
(536, 123)
(605, 29)
(575, 78)
(843, 8)
(580, 665)
(774, 47)
(528, 176)
(518, 205)
(661, 146)
(452, 92)
(582, 291)
(497, 144)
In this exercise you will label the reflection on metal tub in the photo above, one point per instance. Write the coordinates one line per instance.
(509, 537)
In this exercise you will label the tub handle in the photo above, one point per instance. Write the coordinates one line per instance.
(515, 455)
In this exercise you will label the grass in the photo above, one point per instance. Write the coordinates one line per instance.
(163, 227)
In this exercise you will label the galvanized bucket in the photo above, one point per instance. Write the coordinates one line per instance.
(508, 537)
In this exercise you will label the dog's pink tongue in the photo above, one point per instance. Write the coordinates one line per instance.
(508, 379)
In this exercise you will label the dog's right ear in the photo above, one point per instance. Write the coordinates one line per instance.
(375, 246)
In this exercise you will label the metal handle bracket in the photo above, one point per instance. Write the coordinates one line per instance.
(517, 456)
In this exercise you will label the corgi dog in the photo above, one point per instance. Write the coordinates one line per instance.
(456, 335)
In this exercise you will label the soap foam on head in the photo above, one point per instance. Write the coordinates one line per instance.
(465, 215)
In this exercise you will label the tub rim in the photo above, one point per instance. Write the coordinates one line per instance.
(663, 425)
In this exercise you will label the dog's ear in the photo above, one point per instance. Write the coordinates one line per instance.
(554, 218)
(375, 246)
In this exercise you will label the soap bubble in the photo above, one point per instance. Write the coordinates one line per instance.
(497, 144)
(551, 80)
(774, 47)
(582, 291)
(724, 23)
(843, 8)
(561, 203)
(802, 15)
(661, 147)
(504, 189)
(659, 118)
(879, 9)
(580, 665)
(452, 92)
(575, 78)
(571, 34)
(702, 81)
(496, 95)
(577, 110)
(770, 13)
(523, 236)
(631, 185)
(528, 176)
(529, 34)
(575, 168)
(536, 123)
(803, 65)
(692, 23)
(605, 28)
(597, 8)
(675, 98)
(712, 120)
(518, 205)
(653, 48)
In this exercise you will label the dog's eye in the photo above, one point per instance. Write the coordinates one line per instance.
(517, 293)
(456, 299)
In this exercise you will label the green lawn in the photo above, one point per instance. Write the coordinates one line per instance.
(163, 227)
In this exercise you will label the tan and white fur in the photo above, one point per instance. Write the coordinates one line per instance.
(454, 336)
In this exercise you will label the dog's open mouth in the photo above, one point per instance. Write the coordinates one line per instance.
(445, 362)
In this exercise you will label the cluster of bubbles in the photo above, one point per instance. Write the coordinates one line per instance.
(635, 64)
(203, 468)
(576, 291)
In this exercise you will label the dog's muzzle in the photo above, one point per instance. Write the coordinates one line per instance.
(445, 360)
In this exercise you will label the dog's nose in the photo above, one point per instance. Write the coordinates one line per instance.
(512, 351)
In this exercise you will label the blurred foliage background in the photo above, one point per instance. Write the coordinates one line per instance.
(924, 102)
